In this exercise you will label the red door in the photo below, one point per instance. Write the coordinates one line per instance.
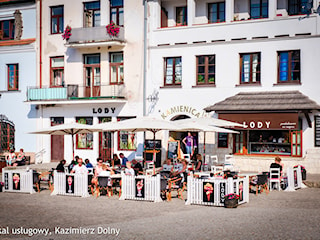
(57, 142)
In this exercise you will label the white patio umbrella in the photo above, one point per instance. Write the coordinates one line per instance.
(210, 121)
(204, 125)
(141, 124)
(68, 129)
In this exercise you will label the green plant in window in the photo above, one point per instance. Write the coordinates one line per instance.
(211, 80)
(200, 79)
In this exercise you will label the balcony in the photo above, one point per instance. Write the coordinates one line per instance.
(75, 94)
(94, 37)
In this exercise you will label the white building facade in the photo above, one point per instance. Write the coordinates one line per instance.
(17, 72)
(202, 52)
(94, 75)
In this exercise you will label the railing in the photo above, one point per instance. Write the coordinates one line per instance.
(70, 184)
(94, 34)
(142, 188)
(18, 180)
(72, 92)
(219, 188)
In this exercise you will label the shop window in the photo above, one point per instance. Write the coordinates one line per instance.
(56, 19)
(289, 66)
(181, 16)
(222, 140)
(126, 140)
(116, 12)
(91, 14)
(57, 72)
(173, 71)
(92, 75)
(250, 68)
(259, 9)
(295, 7)
(116, 68)
(216, 12)
(13, 77)
(84, 140)
(7, 130)
(7, 29)
(206, 69)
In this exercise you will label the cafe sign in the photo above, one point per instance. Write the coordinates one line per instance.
(183, 109)
(263, 121)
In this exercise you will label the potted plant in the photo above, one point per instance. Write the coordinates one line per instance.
(67, 33)
(231, 200)
(112, 29)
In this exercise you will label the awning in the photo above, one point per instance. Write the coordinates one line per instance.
(264, 102)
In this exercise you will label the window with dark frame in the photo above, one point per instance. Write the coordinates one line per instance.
(259, 9)
(222, 140)
(173, 71)
(84, 140)
(7, 29)
(250, 68)
(116, 68)
(56, 19)
(181, 16)
(13, 77)
(56, 71)
(91, 14)
(216, 12)
(295, 7)
(289, 66)
(116, 12)
(206, 69)
(126, 140)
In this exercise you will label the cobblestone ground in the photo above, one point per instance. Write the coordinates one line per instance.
(278, 215)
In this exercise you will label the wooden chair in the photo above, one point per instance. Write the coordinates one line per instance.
(261, 182)
(104, 183)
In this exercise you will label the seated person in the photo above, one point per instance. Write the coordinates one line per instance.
(21, 159)
(277, 164)
(73, 163)
(60, 166)
(129, 170)
(79, 168)
(167, 166)
(115, 163)
(198, 163)
(88, 163)
(106, 171)
(11, 158)
(124, 160)
(137, 167)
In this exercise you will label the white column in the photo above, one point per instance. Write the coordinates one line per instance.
(229, 10)
(272, 9)
(191, 8)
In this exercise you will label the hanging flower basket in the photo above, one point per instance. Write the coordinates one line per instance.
(231, 200)
(112, 29)
(67, 33)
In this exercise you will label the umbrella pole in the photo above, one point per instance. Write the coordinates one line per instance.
(154, 152)
(72, 146)
(204, 147)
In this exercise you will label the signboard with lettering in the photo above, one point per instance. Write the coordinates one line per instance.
(6, 181)
(222, 191)
(275, 121)
(317, 131)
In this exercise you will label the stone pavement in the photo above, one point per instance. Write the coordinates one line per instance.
(278, 215)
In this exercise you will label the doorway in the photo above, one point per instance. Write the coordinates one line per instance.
(57, 141)
(105, 141)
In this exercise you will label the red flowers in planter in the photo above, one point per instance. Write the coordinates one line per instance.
(112, 29)
(67, 33)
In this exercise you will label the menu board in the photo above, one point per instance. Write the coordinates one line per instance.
(317, 131)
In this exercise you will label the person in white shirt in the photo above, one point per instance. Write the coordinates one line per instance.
(129, 170)
(79, 168)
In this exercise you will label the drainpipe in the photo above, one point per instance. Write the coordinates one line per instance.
(40, 44)
(145, 25)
